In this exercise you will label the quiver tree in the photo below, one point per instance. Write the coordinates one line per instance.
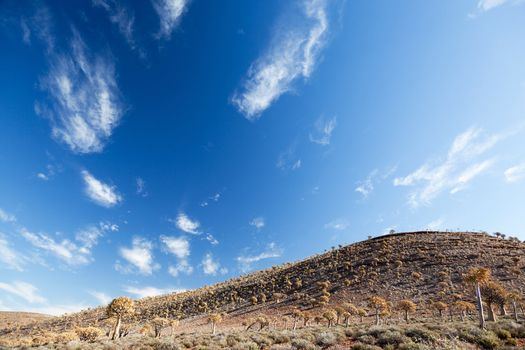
(378, 304)
(297, 315)
(493, 294)
(440, 307)
(407, 307)
(464, 307)
(339, 311)
(330, 316)
(361, 313)
(158, 324)
(514, 298)
(478, 276)
(119, 308)
(214, 319)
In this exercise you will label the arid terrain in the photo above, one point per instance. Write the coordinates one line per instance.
(397, 291)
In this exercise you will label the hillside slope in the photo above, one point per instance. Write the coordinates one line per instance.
(421, 266)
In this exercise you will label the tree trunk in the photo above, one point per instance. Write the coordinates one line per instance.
(347, 322)
(492, 315)
(462, 315)
(116, 330)
(480, 307)
(502, 310)
(360, 319)
(377, 317)
(406, 316)
(515, 309)
(213, 328)
(440, 313)
(294, 324)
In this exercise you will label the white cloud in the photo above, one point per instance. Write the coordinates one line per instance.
(99, 192)
(183, 266)
(436, 225)
(339, 224)
(211, 266)
(120, 16)
(214, 198)
(292, 55)
(258, 222)
(246, 261)
(515, 173)
(141, 187)
(86, 104)
(184, 223)
(287, 160)
(65, 250)
(367, 186)
(322, 133)
(170, 13)
(24, 290)
(150, 291)
(140, 256)
(485, 5)
(101, 297)
(455, 172)
(211, 239)
(6, 217)
(178, 246)
(9, 257)
(58, 310)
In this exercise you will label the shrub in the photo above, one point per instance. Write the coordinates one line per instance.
(362, 346)
(66, 337)
(303, 344)
(89, 334)
(326, 339)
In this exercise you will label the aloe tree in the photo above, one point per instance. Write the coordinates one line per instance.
(407, 307)
(478, 276)
(119, 308)
(378, 304)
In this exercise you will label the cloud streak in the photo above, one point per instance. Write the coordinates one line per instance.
(24, 290)
(323, 129)
(170, 13)
(461, 165)
(85, 103)
(99, 192)
(292, 55)
(246, 261)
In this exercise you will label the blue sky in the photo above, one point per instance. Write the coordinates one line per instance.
(164, 145)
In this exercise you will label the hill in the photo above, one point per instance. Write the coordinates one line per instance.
(424, 267)
(8, 318)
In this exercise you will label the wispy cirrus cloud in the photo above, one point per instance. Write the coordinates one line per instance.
(85, 104)
(99, 192)
(65, 250)
(375, 177)
(7, 217)
(246, 261)
(338, 224)
(141, 187)
(77, 252)
(184, 223)
(293, 54)
(24, 290)
(10, 258)
(462, 164)
(258, 222)
(148, 291)
(101, 297)
(323, 129)
(139, 256)
(122, 17)
(170, 13)
(515, 173)
(288, 160)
